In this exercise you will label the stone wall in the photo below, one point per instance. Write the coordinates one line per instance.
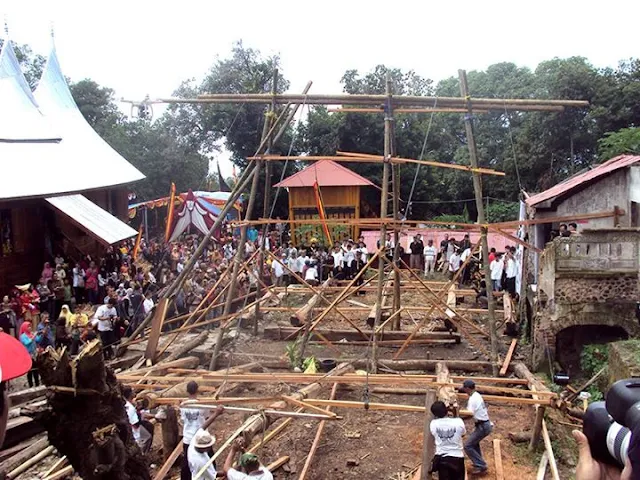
(624, 360)
(616, 289)
(587, 279)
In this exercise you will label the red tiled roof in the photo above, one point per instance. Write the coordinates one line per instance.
(327, 173)
(609, 166)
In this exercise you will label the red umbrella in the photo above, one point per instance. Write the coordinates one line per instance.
(15, 361)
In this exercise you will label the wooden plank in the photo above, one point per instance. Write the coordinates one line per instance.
(30, 462)
(547, 445)
(278, 463)
(65, 472)
(166, 466)
(497, 455)
(61, 462)
(428, 445)
(308, 406)
(156, 329)
(507, 359)
(542, 468)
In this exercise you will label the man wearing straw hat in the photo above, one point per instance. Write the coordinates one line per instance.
(198, 455)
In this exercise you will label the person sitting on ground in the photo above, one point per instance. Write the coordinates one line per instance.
(199, 455)
(250, 468)
(447, 433)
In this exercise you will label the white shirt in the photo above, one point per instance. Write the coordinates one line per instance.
(448, 433)
(511, 268)
(337, 259)
(349, 257)
(477, 406)
(430, 252)
(104, 311)
(466, 254)
(147, 305)
(278, 269)
(197, 460)
(454, 263)
(311, 274)
(192, 421)
(497, 266)
(134, 419)
(78, 273)
(263, 474)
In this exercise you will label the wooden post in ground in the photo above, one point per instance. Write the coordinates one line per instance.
(389, 131)
(267, 133)
(428, 445)
(477, 187)
(537, 428)
(497, 456)
(383, 227)
(170, 432)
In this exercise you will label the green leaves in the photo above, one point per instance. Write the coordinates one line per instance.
(623, 142)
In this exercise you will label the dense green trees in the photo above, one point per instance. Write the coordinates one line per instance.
(535, 149)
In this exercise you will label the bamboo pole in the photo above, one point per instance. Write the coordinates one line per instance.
(30, 463)
(549, 449)
(65, 472)
(316, 440)
(477, 188)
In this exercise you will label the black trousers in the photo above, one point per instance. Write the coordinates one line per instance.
(185, 472)
(448, 468)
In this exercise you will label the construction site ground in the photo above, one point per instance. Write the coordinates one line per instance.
(368, 443)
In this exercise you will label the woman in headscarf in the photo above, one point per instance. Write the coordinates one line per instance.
(47, 271)
(28, 339)
(65, 312)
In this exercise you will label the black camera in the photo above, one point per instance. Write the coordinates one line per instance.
(608, 425)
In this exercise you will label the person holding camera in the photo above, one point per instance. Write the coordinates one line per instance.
(104, 319)
(483, 427)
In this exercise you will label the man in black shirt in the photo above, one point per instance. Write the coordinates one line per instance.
(417, 248)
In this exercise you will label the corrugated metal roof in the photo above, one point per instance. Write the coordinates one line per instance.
(92, 218)
(327, 173)
(605, 168)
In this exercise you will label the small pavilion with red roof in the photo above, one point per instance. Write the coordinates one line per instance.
(340, 189)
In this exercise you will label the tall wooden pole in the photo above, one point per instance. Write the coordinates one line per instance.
(383, 227)
(266, 132)
(477, 187)
(390, 130)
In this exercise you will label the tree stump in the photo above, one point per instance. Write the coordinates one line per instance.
(87, 421)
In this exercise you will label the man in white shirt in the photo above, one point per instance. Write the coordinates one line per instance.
(140, 434)
(483, 427)
(496, 267)
(104, 318)
(198, 455)
(250, 468)
(311, 275)
(348, 258)
(338, 268)
(447, 433)
(278, 271)
(430, 254)
(454, 263)
(510, 270)
(193, 419)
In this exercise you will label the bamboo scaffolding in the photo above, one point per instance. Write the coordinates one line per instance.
(378, 159)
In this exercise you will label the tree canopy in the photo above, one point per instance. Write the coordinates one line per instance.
(534, 149)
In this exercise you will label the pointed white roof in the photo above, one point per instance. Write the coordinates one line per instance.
(96, 164)
(20, 118)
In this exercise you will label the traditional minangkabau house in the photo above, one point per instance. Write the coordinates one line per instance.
(340, 190)
(64, 190)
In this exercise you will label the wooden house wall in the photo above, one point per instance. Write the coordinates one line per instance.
(333, 198)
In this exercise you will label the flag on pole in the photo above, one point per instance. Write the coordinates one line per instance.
(170, 208)
(323, 217)
(136, 246)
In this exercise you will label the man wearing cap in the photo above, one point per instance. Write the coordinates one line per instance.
(483, 427)
(250, 468)
(14, 362)
(198, 455)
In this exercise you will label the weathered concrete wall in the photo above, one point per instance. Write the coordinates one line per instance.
(603, 195)
(587, 279)
(624, 360)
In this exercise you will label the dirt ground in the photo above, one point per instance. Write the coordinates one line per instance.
(370, 444)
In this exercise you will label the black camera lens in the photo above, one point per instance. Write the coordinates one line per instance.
(623, 402)
(608, 440)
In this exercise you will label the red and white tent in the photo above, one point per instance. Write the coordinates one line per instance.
(196, 212)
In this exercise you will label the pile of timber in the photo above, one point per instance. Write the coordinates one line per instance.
(336, 335)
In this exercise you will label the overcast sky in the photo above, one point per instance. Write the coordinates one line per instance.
(139, 47)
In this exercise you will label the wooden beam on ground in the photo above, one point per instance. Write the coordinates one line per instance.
(316, 440)
(507, 359)
(542, 468)
(65, 472)
(497, 456)
(272, 433)
(60, 463)
(284, 333)
(27, 464)
(428, 442)
(278, 463)
(14, 461)
(188, 346)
